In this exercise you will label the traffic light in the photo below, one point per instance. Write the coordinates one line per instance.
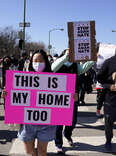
(21, 44)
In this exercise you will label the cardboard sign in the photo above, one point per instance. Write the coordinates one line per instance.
(39, 98)
(105, 51)
(82, 41)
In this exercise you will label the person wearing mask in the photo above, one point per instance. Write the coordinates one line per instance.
(6, 65)
(62, 65)
(107, 77)
(43, 133)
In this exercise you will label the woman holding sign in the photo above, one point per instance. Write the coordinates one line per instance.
(43, 133)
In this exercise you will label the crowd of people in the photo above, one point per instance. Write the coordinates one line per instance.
(86, 76)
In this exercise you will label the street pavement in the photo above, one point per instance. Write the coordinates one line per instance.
(88, 136)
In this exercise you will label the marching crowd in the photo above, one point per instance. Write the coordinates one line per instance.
(87, 74)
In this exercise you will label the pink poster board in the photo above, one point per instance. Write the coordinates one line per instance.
(39, 98)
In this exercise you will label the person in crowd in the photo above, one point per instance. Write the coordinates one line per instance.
(6, 65)
(62, 65)
(50, 58)
(44, 133)
(0, 77)
(107, 77)
(99, 98)
(14, 65)
(89, 82)
(22, 61)
(100, 90)
(82, 88)
(27, 61)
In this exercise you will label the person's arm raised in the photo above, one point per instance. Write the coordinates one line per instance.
(56, 65)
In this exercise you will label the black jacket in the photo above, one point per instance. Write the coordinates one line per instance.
(104, 76)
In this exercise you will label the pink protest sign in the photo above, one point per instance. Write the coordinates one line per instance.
(39, 98)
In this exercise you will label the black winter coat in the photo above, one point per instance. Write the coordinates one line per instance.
(104, 76)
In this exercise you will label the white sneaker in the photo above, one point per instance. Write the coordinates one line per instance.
(60, 151)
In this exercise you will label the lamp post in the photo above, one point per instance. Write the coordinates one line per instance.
(23, 24)
(49, 45)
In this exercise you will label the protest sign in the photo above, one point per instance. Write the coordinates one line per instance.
(82, 41)
(105, 51)
(39, 98)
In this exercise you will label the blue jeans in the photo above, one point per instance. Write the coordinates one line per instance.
(43, 133)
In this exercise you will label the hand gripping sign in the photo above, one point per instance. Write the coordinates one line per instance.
(39, 98)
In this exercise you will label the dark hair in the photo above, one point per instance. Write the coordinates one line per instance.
(47, 63)
(5, 58)
(5, 67)
(55, 55)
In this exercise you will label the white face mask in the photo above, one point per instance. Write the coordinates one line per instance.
(38, 67)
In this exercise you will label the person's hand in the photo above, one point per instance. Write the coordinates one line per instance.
(113, 87)
(4, 93)
(114, 76)
(75, 96)
(67, 51)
